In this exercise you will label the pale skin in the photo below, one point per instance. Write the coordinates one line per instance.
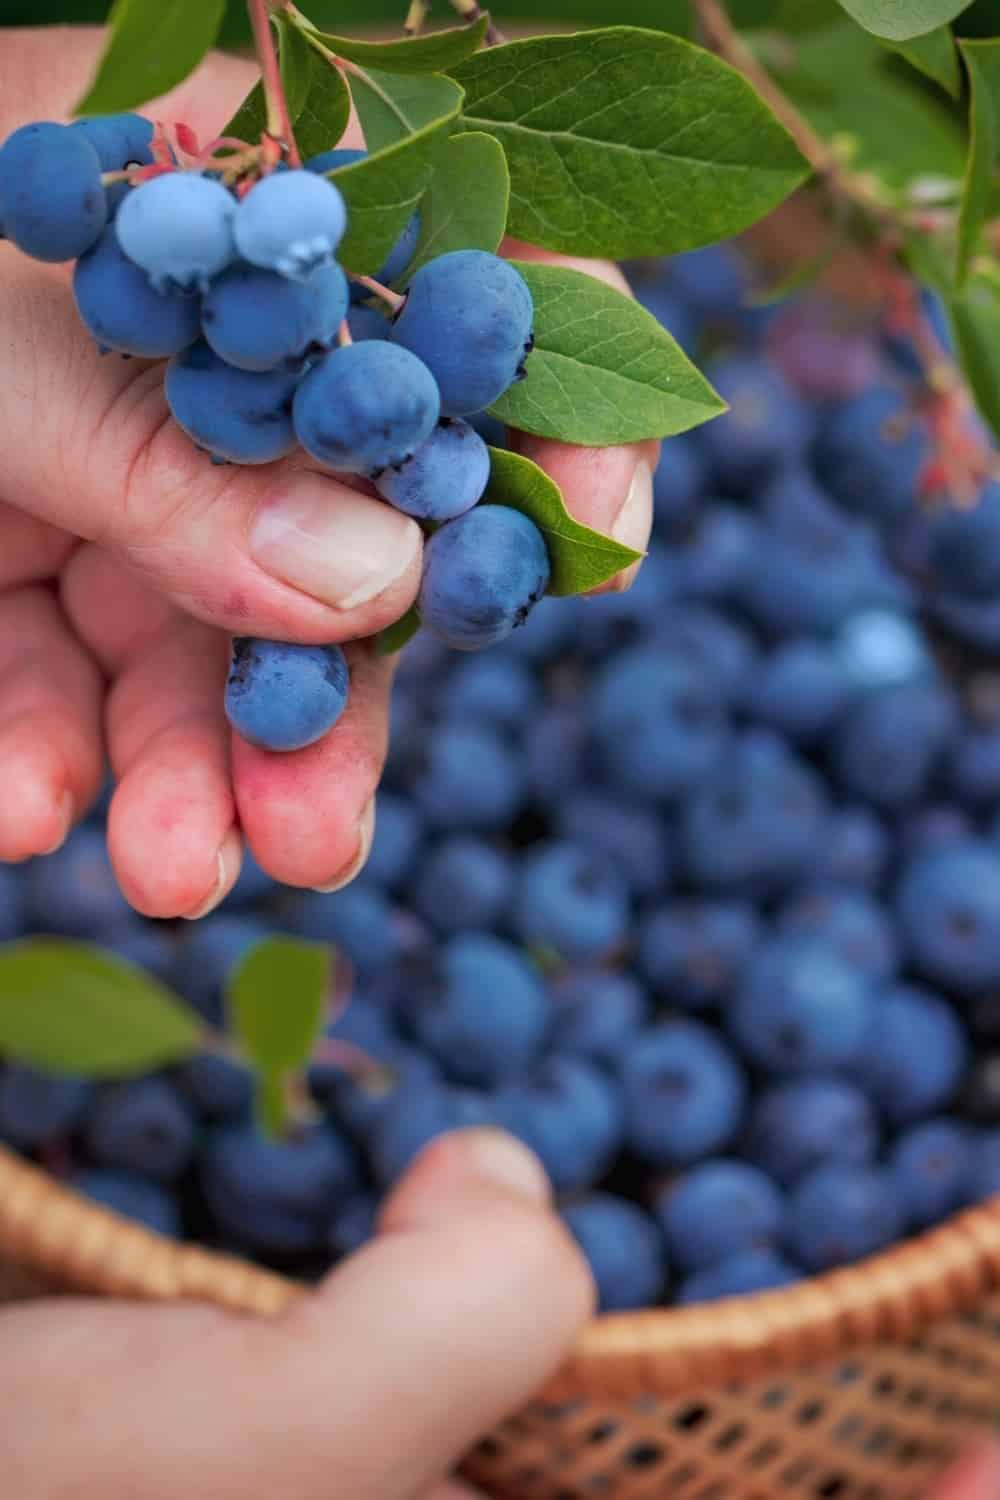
(125, 563)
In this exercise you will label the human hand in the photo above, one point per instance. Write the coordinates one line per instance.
(372, 1387)
(126, 560)
(975, 1477)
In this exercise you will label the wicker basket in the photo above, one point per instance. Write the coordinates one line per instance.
(859, 1385)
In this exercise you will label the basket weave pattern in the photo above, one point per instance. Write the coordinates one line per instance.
(860, 1385)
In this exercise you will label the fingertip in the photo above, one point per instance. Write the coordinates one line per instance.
(456, 1170)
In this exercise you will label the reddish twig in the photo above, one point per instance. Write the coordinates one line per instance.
(279, 124)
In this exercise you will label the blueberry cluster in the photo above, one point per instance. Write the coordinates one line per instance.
(696, 889)
(234, 281)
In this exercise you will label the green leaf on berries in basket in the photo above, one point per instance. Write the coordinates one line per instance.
(383, 190)
(625, 142)
(581, 558)
(974, 312)
(465, 207)
(69, 1007)
(394, 637)
(982, 61)
(933, 55)
(434, 53)
(152, 46)
(603, 370)
(898, 20)
(277, 1000)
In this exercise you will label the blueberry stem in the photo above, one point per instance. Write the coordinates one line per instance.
(344, 335)
(279, 123)
(415, 17)
(394, 299)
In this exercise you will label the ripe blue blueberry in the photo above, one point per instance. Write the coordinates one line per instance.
(613, 622)
(570, 1113)
(464, 776)
(685, 1093)
(360, 1100)
(179, 229)
(805, 1122)
(870, 453)
(398, 835)
(39, 1107)
(208, 953)
(365, 323)
(219, 1089)
(893, 742)
(931, 1164)
(120, 141)
(766, 424)
(984, 1173)
(353, 1223)
(948, 908)
(444, 478)
(237, 415)
(916, 1054)
(75, 891)
(856, 849)
(716, 1210)
(678, 483)
(285, 697)
(623, 1247)
(50, 187)
(12, 903)
(718, 556)
(493, 687)
(742, 1275)
(290, 222)
(620, 832)
(360, 920)
(839, 1214)
(258, 320)
(483, 574)
(597, 1012)
(799, 690)
(694, 953)
(802, 1006)
(143, 1126)
(851, 920)
(463, 882)
(123, 311)
(468, 316)
(133, 1196)
(417, 1115)
(882, 648)
(570, 900)
(965, 547)
(366, 408)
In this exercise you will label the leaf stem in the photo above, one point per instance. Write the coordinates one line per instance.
(279, 123)
(472, 11)
(416, 17)
(394, 299)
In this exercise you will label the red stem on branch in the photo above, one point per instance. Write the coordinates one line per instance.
(279, 124)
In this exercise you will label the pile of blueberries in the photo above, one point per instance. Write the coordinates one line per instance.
(272, 348)
(696, 889)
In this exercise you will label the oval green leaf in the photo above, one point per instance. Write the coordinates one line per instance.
(975, 320)
(323, 104)
(394, 637)
(603, 370)
(72, 1008)
(581, 558)
(434, 53)
(982, 61)
(933, 55)
(152, 46)
(898, 20)
(277, 1000)
(626, 142)
(465, 206)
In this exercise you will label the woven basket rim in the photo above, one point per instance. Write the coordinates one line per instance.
(80, 1246)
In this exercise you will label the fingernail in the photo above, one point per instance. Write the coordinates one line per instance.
(228, 859)
(366, 832)
(341, 547)
(634, 521)
(506, 1162)
(64, 823)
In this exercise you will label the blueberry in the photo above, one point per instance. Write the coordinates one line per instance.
(443, 478)
(805, 1122)
(365, 323)
(685, 1093)
(656, 295)
(148, 945)
(570, 900)
(415, 1116)
(360, 921)
(892, 743)
(483, 574)
(712, 281)
(358, 1100)
(839, 1214)
(366, 408)
(548, 632)
(948, 908)
(219, 1089)
(932, 827)
(13, 914)
(120, 141)
(143, 1126)
(570, 1113)
(239, 415)
(965, 547)
(75, 891)
(984, 1173)
(479, 1007)
(694, 953)
(881, 648)
(555, 752)
(123, 312)
(870, 452)
(748, 1272)
(851, 920)
(178, 228)
(133, 1196)
(290, 222)
(678, 483)
(623, 1247)
(611, 622)
(398, 835)
(799, 690)
(258, 320)
(463, 883)
(803, 1006)
(494, 688)
(39, 1107)
(403, 250)
(50, 185)
(974, 622)
(254, 886)
(710, 642)
(975, 766)
(716, 1210)
(814, 576)
(856, 849)
(717, 558)
(353, 1223)
(931, 1164)
(766, 424)
(916, 1055)
(285, 697)
(597, 1012)
(468, 316)
(465, 777)
(275, 1197)
(208, 953)
(621, 833)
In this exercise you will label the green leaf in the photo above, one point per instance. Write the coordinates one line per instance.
(465, 206)
(277, 999)
(898, 20)
(72, 1008)
(933, 55)
(317, 90)
(974, 313)
(603, 370)
(297, 58)
(384, 189)
(982, 61)
(434, 53)
(625, 142)
(152, 46)
(250, 119)
(392, 108)
(581, 558)
(396, 636)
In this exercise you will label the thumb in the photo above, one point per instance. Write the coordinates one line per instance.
(281, 550)
(976, 1476)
